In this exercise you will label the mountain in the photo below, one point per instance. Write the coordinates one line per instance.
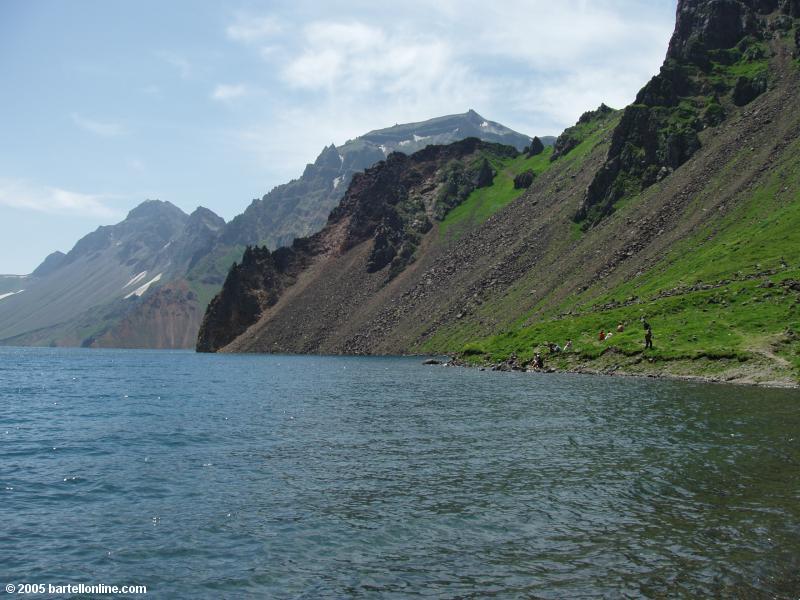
(72, 298)
(682, 209)
(300, 207)
(146, 281)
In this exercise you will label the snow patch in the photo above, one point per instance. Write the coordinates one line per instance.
(10, 294)
(405, 142)
(485, 124)
(384, 149)
(337, 181)
(341, 158)
(142, 289)
(135, 279)
(419, 138)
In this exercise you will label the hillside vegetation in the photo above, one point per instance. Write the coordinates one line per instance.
(681, 208)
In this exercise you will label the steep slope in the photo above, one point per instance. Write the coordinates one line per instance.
(179, 262)
(74, 298)
(674, 209)
(370, 238)
(300, 207)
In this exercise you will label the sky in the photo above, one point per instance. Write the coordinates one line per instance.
(213, 103)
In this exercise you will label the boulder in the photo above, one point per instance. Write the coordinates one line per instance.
(485, 176)
(536, 147)
(797, 42)
(524, 180)
(748, 89)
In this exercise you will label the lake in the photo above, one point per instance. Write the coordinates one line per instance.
(211, 476)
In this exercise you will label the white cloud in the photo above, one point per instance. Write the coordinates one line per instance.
(225, 92)
(101, 128)
(253, 29)
(24, 195)
(533, 65)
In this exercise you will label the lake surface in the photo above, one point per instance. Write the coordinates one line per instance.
(204, 476)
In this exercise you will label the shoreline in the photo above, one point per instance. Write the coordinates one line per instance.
(618, 371)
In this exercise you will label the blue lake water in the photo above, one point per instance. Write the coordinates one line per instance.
(205, 476)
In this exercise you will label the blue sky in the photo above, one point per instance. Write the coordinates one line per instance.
(201, 102)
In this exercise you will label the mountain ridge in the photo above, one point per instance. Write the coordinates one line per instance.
(682, 208)
(178, 261)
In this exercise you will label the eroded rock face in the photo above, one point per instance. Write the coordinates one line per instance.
(704, 25)
(390, 204)
(250, 287)
(659, 132)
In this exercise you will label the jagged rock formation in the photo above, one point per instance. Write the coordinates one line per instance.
(526, 274)
(536, 147)
(185, 258)
(388, 208)
(717, 55)
(300, 207)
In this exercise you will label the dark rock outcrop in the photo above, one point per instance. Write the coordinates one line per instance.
(251, 286)
(485, 176)
(535, 149)
(524, 180)
(390, 205)
(659, 132)
(748, 89)
(573, 136)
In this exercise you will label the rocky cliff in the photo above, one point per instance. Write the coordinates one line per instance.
(301, 207)
(178, 261)
(383, 218)
(688, 214)
(718, 58)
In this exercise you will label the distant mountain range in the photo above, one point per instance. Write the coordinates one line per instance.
(145, 282)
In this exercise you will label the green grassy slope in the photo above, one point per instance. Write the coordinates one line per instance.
(727, 295)
(484, 202)
(723, 297)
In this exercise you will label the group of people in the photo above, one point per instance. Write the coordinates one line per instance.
(538, 360)
(648, 333)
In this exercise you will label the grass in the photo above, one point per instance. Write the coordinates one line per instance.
(748, 316)
(729, 322)
(484, 202)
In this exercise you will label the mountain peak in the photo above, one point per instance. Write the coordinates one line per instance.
(50, 264)
(153, 209)
(207, 217)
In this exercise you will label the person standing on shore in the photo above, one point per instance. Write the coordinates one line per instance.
(648, 338)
